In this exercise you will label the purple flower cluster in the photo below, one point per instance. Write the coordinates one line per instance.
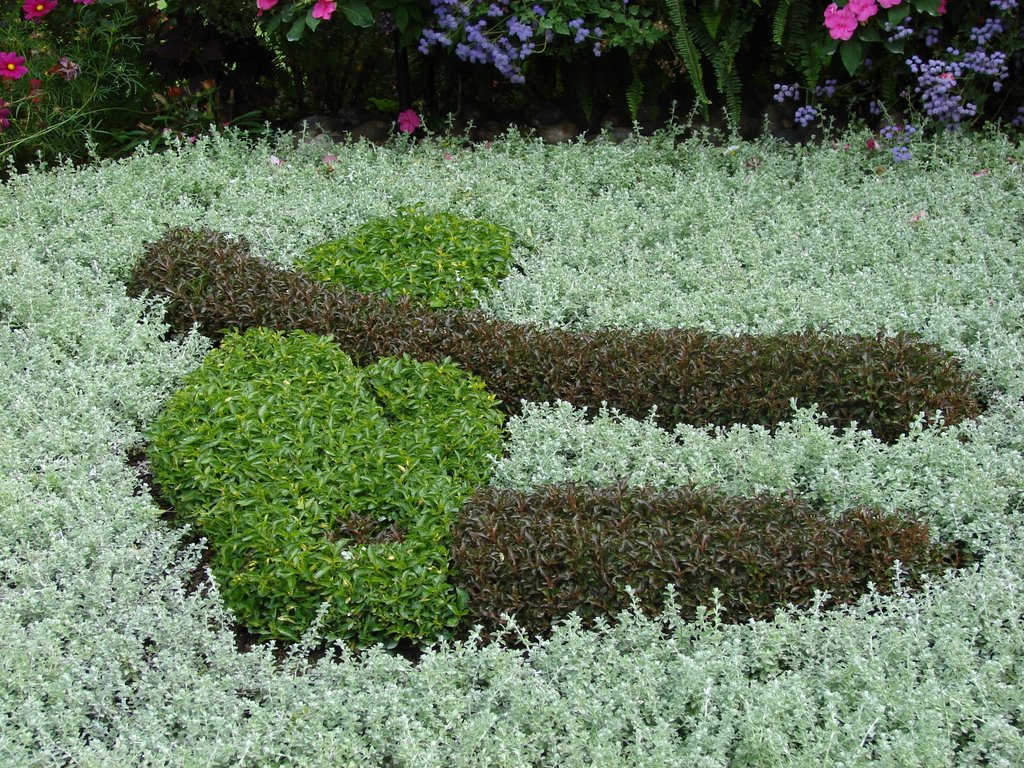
(828, 90)
(1004, 5)
(937, 82)
(983, 34)
(901, 154)
(892, 131)
(490, 35)
(1018, 121)
(931, 37)
(899, 32)
(990, 64)
(784, 92)
(805, 115)
(506, 53)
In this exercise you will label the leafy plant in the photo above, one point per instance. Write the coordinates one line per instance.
(543, 554)
(437, 260)
(712, 32)
(688, 375)
(317, 482)
(76, 76)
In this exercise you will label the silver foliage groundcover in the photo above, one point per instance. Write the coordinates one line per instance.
(109, 658)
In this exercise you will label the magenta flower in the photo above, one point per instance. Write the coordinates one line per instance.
(323, 9)
(841, 22)
(408, 121)
(36, 9)
(862, 9)
(12, 66)
(264, 5)
(5, 114)
(889, 3)
(84, 2)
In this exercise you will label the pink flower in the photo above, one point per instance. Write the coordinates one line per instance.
(276, 161)
(841, 22)
(264, 5)
(67, 67)
(330, 160)
(889, 3)
(862, 9)
(36, 9)
(871, 144)
(942, 7)
(323, 9)
(921, 215)
(12, 66)
(84, 2)
(408, 121)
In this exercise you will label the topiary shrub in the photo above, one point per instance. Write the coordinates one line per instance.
(543, 554)
(690, 375)
(437, 260)
(316, 481)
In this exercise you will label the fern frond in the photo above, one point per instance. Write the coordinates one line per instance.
(779, 23)
(682, 38)
(635, 96)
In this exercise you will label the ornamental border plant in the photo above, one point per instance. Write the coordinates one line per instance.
(952, 81)
(69, 75)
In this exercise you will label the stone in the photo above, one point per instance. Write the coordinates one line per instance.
(374, 130)
(558, 133)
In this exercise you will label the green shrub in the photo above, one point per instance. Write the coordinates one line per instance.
(314, 481)
(690, 376)
(437, 260)
(543, 554)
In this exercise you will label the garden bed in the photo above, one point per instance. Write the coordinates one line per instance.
(116, 655)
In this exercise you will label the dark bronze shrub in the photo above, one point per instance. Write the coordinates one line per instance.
(544, 554)
(691, 376)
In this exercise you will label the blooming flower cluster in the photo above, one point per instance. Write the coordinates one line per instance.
(14, 67)
(828, 90)
(495, 33)
(900, 31)
(805, 115)
(983, 34)
(937, 85)
(504, 46)
(843, 22)
(784, 92)
(322, 9)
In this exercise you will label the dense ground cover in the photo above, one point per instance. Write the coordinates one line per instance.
(110, 659)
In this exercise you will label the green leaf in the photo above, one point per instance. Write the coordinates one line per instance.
(928, 6)
(273, 25)
(297, 29)
(401, 18)
(311, 22)
(897, 14)
(358, 13)
(852, 54)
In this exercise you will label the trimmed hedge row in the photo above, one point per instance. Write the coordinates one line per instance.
(543, 554)
(690, 376)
